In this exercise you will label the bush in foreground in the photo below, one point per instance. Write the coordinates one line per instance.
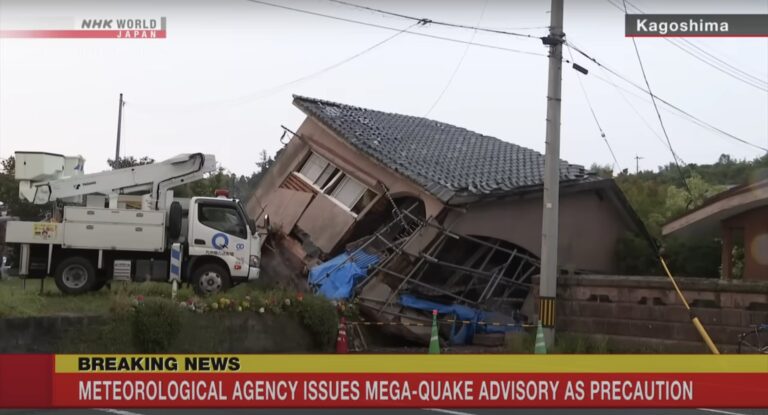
(155, 325)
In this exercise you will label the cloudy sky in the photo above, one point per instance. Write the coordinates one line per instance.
(223, 79)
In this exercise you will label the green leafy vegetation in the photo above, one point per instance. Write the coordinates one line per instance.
(19, 298)
(660, 196)
(155, 325)
(319, 316)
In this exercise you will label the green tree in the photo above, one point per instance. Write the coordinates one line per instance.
(604, 171)
(681, 199)
(130, 161)
(659, 197)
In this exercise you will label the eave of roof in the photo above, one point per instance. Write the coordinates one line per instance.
(706, 218)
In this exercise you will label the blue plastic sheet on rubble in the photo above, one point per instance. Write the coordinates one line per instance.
(464, 333)
(336, 278)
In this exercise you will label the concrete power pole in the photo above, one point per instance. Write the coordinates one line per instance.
(549, 226)
(637, 163)
(119, 122)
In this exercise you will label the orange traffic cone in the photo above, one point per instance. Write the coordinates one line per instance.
(342, 345)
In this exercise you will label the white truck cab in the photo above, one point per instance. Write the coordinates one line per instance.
(221, 229)
(125, 224)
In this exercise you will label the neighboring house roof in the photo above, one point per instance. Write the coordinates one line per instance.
(452, 163)
(705, 219)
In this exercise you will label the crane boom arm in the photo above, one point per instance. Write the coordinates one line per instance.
(155, 178)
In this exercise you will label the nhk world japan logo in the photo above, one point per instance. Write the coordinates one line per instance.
(85, 28)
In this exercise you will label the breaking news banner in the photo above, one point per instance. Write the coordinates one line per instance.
(383, 381)
(102, 27)
(696, 25)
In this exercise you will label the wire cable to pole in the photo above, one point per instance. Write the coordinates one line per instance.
(706, 57)
(658, 114)
(647, 124)
(271, 90)
(437, 22)
(594, 116)
(458, 64)
(423, 21)
(690, 116)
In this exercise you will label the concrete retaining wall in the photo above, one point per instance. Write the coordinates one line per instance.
(646, 312)
(200, 333)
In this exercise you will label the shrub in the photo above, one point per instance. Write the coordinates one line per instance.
(685, 257)
(319, 317)
(156, 325)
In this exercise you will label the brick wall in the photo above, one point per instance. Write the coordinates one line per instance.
(646, 312)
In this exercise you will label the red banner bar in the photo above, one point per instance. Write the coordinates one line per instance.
(31, 381)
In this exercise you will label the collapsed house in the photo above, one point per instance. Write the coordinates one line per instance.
(417, 214)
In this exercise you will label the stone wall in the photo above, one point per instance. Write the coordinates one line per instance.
(200, 333)
(645, 314)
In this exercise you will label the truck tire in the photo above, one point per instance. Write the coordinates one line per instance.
(174, 221)
(210, 279)
(75, 275)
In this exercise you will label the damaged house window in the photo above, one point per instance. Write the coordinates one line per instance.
(333, 182)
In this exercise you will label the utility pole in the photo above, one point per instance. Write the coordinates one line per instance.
(119, 122)
(549, 226)
(637, 163)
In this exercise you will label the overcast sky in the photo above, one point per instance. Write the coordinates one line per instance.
(209, 87)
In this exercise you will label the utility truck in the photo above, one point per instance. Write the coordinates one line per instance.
(126, 225)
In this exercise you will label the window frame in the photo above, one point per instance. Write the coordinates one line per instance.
(336, 181)
(225, 205)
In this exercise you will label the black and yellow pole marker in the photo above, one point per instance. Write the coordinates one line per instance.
(547, 311)
(695, 320)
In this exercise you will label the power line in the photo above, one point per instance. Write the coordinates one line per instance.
(458, 64)
(436, 22)
(637, 112)
(704, 51)
(448, 39)
(693, 118)
(269, 91)
(720, 65)
(594, 116)
(658, 113)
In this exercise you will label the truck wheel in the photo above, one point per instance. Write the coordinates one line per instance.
(210, 279)
(75, 275)
(174, 221)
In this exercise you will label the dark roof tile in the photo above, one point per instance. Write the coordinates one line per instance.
(444, 159)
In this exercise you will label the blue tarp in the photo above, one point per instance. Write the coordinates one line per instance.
(335, 279)
(464, 333)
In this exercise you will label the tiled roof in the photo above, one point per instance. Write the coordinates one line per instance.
(445, 160)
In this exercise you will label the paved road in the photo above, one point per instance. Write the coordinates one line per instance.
(388, 411)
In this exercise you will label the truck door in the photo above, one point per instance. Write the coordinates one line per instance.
(218, 228)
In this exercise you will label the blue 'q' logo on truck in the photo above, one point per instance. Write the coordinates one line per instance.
(220, 241)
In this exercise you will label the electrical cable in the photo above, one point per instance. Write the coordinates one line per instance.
(448, 39)
(720, 65)
(725, 63)
(661, 120)
(594, 116)
(663, 101)
(637, 112)
(271, 90)
(436, 22)
(458, 64)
